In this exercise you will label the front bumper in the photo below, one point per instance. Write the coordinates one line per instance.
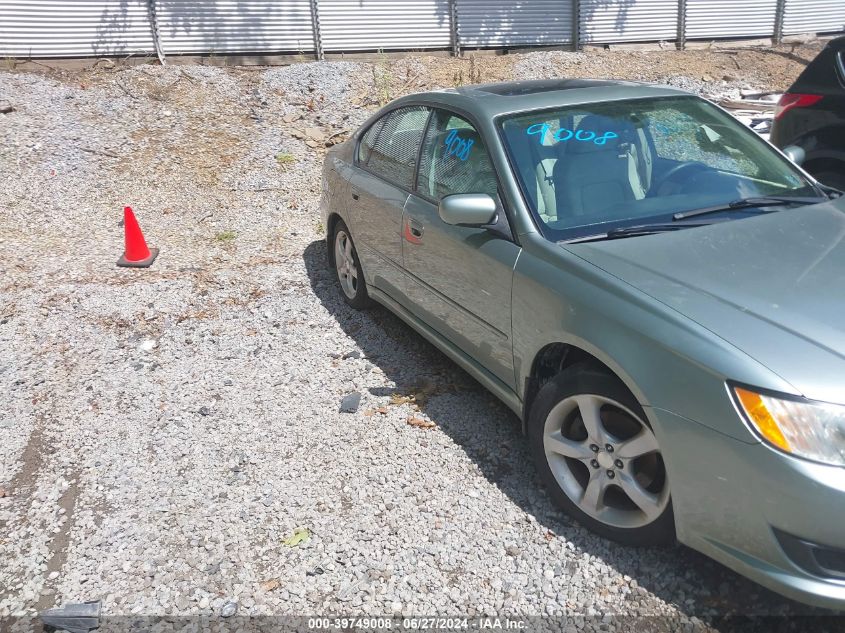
(735, 501)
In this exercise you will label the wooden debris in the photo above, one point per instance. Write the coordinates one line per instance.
(420, 423)
(748, 104)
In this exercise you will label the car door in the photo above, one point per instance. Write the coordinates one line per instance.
(386, 162)
(459, 278)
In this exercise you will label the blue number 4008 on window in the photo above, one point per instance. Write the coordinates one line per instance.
(457, 146)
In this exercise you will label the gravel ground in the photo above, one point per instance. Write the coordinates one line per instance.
(171, 437)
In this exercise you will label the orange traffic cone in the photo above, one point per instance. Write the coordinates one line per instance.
(136, 254)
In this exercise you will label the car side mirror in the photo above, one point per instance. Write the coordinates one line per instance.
(468, 209)
(795, 154)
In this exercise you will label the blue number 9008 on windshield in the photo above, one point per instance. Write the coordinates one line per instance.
(565, 134)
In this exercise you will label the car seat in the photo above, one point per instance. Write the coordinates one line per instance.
(591, 178)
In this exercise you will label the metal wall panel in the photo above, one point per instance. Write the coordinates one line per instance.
(384, 24)
(81, 28)
(605, 21)
(234, 26)
(814, 16)
(713, 19)
(485, 23)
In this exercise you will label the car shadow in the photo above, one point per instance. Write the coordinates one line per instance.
(790, 55)
(490, 434)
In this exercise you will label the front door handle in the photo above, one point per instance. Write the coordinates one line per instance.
(355, 194)
(413, 231)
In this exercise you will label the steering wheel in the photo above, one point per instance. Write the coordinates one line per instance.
(677, 169)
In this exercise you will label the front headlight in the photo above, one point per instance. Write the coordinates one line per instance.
(813, 430)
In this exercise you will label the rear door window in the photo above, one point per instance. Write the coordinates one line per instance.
(391, 151)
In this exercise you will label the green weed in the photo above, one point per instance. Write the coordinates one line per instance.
(225, 236)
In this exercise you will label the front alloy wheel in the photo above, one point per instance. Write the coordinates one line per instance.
(600, 459)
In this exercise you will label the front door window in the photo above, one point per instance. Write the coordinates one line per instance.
(454, 159)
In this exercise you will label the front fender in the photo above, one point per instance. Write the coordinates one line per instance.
(666, 360)
(337, 172)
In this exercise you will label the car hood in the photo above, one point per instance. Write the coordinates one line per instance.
(772, 285)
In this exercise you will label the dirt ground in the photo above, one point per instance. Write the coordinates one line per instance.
(772, 68)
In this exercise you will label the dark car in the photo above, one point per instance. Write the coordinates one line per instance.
(812, 115)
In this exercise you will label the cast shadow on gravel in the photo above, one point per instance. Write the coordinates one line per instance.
(490, 434)
(790, 55)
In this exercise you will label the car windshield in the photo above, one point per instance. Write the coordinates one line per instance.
(592, 168)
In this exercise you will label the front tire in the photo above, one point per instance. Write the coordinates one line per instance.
(350, 275)
(599, 458)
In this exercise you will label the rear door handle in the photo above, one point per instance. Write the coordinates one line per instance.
(355, 194)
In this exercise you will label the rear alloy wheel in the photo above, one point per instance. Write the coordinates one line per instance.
(348, 267)
(600, 459)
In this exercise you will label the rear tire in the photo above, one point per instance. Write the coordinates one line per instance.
(350, 275)
(599, 458)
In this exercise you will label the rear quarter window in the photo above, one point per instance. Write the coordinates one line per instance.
(368, 141)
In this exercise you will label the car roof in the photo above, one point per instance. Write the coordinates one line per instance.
(494, 99)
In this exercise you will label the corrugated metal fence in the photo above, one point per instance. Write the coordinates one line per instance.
(486, 24)
(348, 25)
(806, 16)
(231, 26)
(80, 28)
(605, 21)
(709, 19)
